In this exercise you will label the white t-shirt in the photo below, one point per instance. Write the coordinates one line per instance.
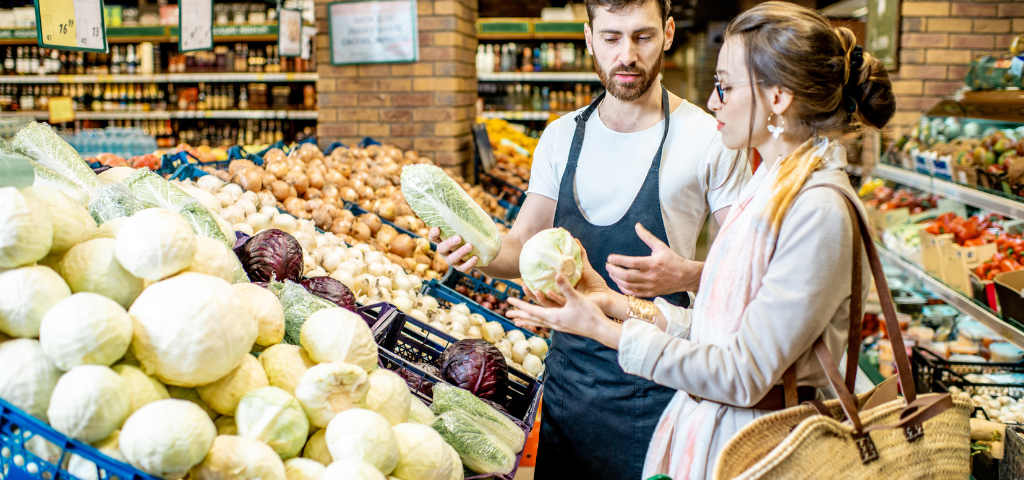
(694, 177)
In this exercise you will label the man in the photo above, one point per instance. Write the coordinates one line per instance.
(635, 194)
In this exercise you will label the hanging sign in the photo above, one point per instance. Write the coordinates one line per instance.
(61, 110)
(289, 32)
(71, 25)
(308, 37)
(195, 25)
(373, 31)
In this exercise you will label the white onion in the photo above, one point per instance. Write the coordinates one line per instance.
(373, 257)
(345, 278)
(348, 266)
(416, 282)
(246, 206)
(269, 211)
(375, 268)
(533, 365)
(233, 189)
(418, 315)
(429, 303)
(362, 284)
(258, 221)
(404, 304)
(384, 282)
(317, 272)
(456, 317)
(232, 214)
(285, 223)
(474, 332)
(461, 308)
(330, 261)
(355, 253)
(341, 251)
(402, 282)
(515, 336)
(226, 200)
(457, 327)
(477, 319)
(244, 228)
(520, 350)
(401, 293)
(439, 326)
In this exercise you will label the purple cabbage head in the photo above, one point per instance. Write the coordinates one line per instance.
(331, 290)
(272, 254)
(416, 382)
(475, 365)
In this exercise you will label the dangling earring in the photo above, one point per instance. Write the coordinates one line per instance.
(777, 131)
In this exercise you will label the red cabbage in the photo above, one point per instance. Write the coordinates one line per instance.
(420, 384)
(272, 255)
(475, 365)
(331, 290)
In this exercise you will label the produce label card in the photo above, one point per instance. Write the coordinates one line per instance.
(373, 31)
(71, 25)
(61, 110)
(308, 37)
(289, 32)
(195, 25)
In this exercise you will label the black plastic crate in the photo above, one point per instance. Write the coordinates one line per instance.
(418, 342)
(935, 374)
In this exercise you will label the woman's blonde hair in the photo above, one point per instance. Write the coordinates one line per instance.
(836, 87)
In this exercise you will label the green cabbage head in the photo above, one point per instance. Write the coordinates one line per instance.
(273, 416)
(547, 254)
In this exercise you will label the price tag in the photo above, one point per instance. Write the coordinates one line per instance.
(308, 37)
(71, 25)
(289, 32)
(195, 25)
(61, 110)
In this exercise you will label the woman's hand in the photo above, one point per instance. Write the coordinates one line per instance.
(579, 316)
(451, 252)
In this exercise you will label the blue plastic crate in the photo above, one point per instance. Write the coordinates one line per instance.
(16, 462)
(417, 342)
(501, 289)
(447, 297)
(330, 148)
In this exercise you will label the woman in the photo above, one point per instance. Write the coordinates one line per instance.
(779, 274)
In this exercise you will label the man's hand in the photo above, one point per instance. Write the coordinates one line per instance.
(453, 254)
(662, 273)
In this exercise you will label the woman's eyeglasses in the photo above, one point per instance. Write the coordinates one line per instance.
(721, 91)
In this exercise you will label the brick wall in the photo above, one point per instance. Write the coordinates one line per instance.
(427, 105)
(938, 41)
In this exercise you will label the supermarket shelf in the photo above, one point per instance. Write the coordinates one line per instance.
(506, 115)
(161, 78)
(954, 298)
(215, 114)
(156, 34)
(983, 200)
(538, 77)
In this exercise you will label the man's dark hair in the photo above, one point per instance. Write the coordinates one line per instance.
(616, 5)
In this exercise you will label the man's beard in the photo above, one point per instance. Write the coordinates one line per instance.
(629, 92)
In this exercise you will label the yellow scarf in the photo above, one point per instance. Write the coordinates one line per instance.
(793, 172)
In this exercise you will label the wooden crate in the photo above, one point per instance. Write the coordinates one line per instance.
(933, 248)
(957, 263)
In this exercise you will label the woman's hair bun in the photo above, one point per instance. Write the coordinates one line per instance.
(868, 83)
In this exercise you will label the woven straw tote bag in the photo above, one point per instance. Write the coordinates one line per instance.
(882, 437)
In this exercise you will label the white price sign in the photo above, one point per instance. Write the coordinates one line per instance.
(373, 31)
(308, 37)
(195, 25)
(289, 32)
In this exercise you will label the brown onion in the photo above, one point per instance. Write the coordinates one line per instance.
(331, 209)
(349, 194)
(421, 258)
(386, 209)
(316, 180)
(340, 226)
(360, 231)
(355, 183)
(332, 176)
(344, 169)
(346, 215)
(240, 164)
(280, 190)
(278, 169)
(330, 190)
(365, 192)
(268, 178)
(314, 204)
(322, 218)
(312, 193)
(401, 262)
(294, 204)
(386, 234)
(403, 246)
(439, 264)
(249, 179)
(372, 221)
(401, 222)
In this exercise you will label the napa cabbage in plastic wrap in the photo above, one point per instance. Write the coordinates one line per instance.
(46, 176)
(442, 203)
(153, 191)
(15, 171)
(5, 147)
(40, 143)
(448, 398)
(113, 201)
(480, 448)
(298, 306)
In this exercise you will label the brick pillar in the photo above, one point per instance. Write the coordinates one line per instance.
(427, 105)
(938, 39)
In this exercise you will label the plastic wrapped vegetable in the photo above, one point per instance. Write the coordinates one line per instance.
(480, 449)
(448, 398)
(46, 176)
(153, 191)
(442, 203)
(475, 365)
(272, 255)
(547, 254)
(40, 143)
(298, 306)
(113, 201)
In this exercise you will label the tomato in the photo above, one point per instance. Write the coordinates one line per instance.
(975, 242)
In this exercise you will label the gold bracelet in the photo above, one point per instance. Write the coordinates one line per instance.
(641, 309)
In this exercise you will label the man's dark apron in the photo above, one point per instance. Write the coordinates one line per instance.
(597, 420)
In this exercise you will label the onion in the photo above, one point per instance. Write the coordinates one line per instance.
(267, 178)
(285, 223)
(226, 200)
(333, 177)
(269, 211)
(375, 269)
(492, 332)
(246, 207)
(344, 277)
(402, 222)
(294, 205)
(461, 308)
(249, 179)
(232, 214)
(365, 192)
(476, 319)
(416, 282)
(251, 197)
(428, 303)
(387, 209)
(399, 262)
(403, 303)
(371, 221)
(280, 190)
(317, 272)
(258, 221)
(349, 194)
(347, 266)
(474, 332)
(520, 350)
(418, 315)
(317, 180)
(301, 183)
(244, 228)
(384, 282)
(403, 283)
(403, 246)
(266, 199)
(313, 193)
(234, 190)
(322, 218)
(360, 231)
(386, 234)
(277, 169)
(340, 226)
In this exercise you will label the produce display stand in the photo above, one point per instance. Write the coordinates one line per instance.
(404, 341)
(447, 297)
